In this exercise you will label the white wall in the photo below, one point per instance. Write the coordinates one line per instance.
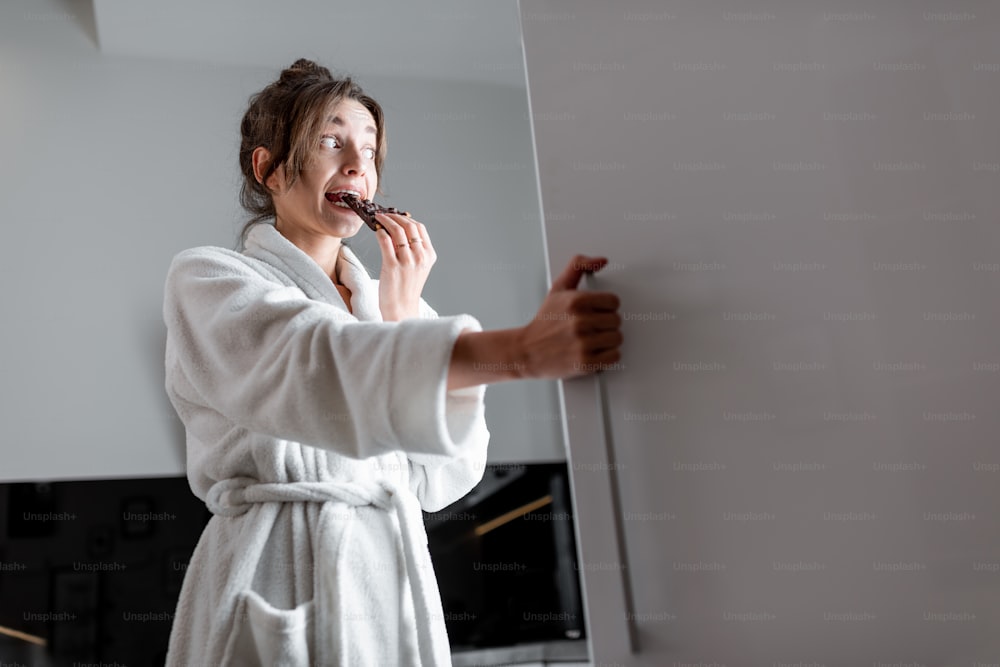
(112, 165)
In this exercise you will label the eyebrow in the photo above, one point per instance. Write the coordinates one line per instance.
(337, 120)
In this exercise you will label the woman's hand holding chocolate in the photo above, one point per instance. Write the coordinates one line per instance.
(407, 258)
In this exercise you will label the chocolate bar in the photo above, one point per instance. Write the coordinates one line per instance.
(367, 209)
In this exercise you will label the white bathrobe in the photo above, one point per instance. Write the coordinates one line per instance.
(315, 436)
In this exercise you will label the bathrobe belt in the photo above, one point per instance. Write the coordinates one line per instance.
(234, 496)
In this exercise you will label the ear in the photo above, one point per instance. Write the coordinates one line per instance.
(261, 161)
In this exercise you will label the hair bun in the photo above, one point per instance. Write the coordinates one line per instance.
(303, 69)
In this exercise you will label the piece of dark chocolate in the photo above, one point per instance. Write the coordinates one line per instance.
(367, 210)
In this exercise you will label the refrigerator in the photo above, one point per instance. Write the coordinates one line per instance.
(795, 462)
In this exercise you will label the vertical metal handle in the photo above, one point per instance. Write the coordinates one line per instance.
(616, 503)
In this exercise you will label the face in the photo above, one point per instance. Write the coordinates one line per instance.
(344, 159)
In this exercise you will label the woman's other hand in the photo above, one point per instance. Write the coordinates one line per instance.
(575, 332)
(407, 258)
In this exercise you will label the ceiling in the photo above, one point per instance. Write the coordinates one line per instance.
(455, 40)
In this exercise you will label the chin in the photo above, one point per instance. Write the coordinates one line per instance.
(344, 227)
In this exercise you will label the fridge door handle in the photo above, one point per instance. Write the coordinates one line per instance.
(616, 508)
(607, 583)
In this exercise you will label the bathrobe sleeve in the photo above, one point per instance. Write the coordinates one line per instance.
(436, 480)
(259, 352)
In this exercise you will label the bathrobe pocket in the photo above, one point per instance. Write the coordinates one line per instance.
(266, 635)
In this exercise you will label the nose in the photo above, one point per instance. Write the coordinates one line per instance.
(354, 162)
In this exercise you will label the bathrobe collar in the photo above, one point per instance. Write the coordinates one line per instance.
(266, 243)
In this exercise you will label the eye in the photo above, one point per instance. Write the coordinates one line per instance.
(328, 142)
(370, 153)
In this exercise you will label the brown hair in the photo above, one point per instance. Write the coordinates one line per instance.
(287, 118)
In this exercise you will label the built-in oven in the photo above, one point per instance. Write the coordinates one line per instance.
(505, 559)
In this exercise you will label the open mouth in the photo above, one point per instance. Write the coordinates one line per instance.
(338, 198)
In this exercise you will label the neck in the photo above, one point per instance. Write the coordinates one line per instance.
(322, 248)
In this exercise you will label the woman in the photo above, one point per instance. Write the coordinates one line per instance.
(324, 409)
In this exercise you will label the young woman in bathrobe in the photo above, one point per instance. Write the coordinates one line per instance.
(325, 409)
